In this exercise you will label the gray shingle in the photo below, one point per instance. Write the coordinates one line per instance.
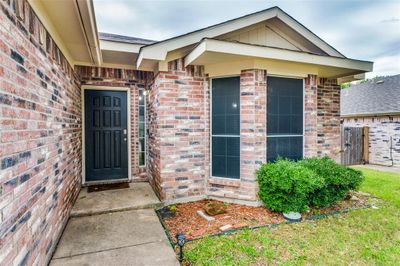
(381, 96)
(126, 39)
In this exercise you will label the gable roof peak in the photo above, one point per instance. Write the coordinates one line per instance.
(159, 50)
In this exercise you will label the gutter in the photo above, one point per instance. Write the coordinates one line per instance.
(85, 9)
(370, 115)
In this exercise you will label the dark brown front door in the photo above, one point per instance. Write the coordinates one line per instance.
(106, 145)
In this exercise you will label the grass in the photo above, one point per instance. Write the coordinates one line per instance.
(361, 237)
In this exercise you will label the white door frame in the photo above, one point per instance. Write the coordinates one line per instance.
(128, 117)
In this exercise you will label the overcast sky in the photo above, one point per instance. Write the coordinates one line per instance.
(360, 29)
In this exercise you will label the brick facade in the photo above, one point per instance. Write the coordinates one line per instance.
(328, 119)
(321, 118)
(132, 79)
(179, 111)
(310, 116)
(178, 142)
(384, 138)
(40, 138)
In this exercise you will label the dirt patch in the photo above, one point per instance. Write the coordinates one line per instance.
(186, 220)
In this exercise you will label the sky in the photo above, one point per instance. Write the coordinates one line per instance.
(360, 29)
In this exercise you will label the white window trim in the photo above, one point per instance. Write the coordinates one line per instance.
(145, 128)
(128, 116)
(235, 136)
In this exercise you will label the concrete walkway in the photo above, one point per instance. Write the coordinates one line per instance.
(391, 169)
(128, 237)
(137, 196)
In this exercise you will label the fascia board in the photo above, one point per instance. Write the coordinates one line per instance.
(209, 45)
(313, 38)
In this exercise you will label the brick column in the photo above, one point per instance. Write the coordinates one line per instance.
(253, 94)
(179, 132)
(328, 121)
(310, 116)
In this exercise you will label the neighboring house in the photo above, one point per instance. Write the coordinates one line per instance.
(194, 115)
(376, 105)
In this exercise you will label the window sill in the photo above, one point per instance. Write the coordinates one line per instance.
(229, 182)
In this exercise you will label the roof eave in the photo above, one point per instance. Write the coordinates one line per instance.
(256, 51)
(85, 28)
(89, 26)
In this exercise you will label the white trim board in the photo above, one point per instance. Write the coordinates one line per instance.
(257, 51)
(129, 148)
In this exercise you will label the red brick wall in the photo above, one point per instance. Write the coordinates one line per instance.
(132, 79)
(40, 138)
(328, 122)
(154, 126)
(310, 116)
(322, 118)
(177, 141)
(179, 132)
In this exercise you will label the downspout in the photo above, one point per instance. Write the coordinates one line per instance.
(391, 151)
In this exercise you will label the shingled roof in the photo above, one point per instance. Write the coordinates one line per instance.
(378, 97)
(122, 38)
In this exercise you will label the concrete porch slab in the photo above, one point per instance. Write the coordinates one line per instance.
(137, 196)
(119, 238)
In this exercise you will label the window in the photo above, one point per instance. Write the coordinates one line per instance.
(226, 127)
(284, 118)
(142, 128)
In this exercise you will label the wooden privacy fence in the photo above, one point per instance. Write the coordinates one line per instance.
(355, 144)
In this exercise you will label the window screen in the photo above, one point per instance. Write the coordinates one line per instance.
(226, 127)
(142, 128)
(284, 118)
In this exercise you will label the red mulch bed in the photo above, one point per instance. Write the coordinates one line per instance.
(192, 225)
(187, 221)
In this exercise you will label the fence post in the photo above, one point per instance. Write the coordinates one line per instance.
(365, 145)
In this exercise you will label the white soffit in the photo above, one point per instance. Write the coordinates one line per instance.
(72, 25)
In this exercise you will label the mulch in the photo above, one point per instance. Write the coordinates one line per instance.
(187, 221)
(192, 225)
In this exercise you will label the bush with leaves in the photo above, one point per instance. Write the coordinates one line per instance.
(338, 180)
(294, 186)
(286, 185)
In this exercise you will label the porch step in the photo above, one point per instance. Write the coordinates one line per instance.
(137, 196)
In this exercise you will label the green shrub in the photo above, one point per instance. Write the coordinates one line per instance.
(293, 186)
(338, 180)
(286, 185)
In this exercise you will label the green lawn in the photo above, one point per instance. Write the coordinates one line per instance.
(362, 237)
